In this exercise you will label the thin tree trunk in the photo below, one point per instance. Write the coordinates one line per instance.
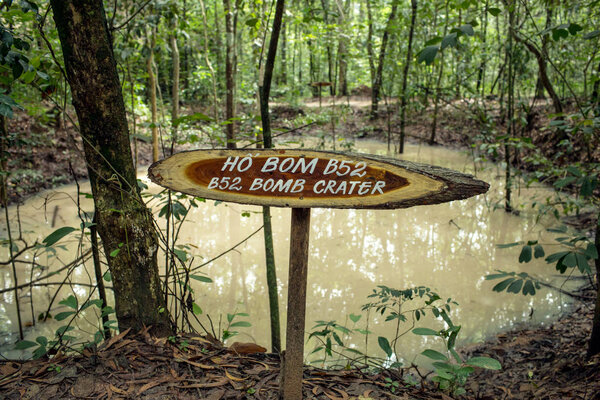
(436, 96)
(594, 343)
(152, 90)
(342, 87)
(403, 102)
(539, 86)
(596, 93)
(264, 89)
(213, 75)
(543, 74)
(175, 87)
(283, 73)
(370, 44)
(124, 222)
(229, 74)
(379, 73)
(481, 72)
(330, 66)
(510, 108)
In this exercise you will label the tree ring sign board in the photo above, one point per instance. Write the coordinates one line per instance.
(308, 179)
(303, 179)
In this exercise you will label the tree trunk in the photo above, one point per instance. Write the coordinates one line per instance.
(264, 88)
(124, 223)
(379, 73)
(481, 71)
(213, 76)
(370, 44)
(229, 74)
(594, 343)
(405, 74)
(342, 87)
(175, 87)
(436, 96)
(330, 67)
(152, 90)
(543, 74)
(510, 104)
(596, 94)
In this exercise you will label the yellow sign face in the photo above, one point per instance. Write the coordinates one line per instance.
(297, 178)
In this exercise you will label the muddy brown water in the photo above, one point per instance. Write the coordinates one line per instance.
(448, 247)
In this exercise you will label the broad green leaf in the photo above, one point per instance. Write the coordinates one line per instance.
(24, 344)
(425, 332)
(354, 318)
(70, 302)
(115, 252)
(496, 276)
(450, 40)
(574, 28)
(337, 339)
(591, 35)
(507, 245)
(181, 254)
(243, 324)
(42, 340)
(515, 287)
(467, 29)
(570, 260)
(591, 251)
(525, 255)
(538, 251)
(564, 182)
(484, 362)
(503, 285)
(201, 278)
(57, 235)
(494, 11)
(385, 345)
(196, 308)
(434, 355)
(528, 288)
(63, 315)
(582, 263)
(427, 55)
(554, 257)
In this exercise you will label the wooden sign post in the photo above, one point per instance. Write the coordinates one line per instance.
(303, 179)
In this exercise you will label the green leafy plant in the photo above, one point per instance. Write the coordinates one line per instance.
(231, 323)
(398, 306)
(577, 251)
(451, 370)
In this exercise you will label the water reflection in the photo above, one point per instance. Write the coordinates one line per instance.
(447, 247)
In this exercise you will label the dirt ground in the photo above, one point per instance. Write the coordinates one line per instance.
(540, 363)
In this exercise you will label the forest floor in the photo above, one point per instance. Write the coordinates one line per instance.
(538, 362)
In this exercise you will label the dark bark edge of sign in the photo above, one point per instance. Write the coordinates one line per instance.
(457, 185)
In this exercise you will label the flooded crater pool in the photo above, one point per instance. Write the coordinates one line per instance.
(449, 248)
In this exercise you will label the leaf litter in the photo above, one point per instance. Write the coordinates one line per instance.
(538, 363)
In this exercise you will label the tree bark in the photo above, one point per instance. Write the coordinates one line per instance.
(229, 74)
(594, 343)
(175, 87)
(264, 90)
(379, 73)
(152, 90)
(405, 74)
(370, 43)
(124, 223)
(543, 74)
(342, 87)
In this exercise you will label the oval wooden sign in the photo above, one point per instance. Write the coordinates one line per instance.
(307, 178)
